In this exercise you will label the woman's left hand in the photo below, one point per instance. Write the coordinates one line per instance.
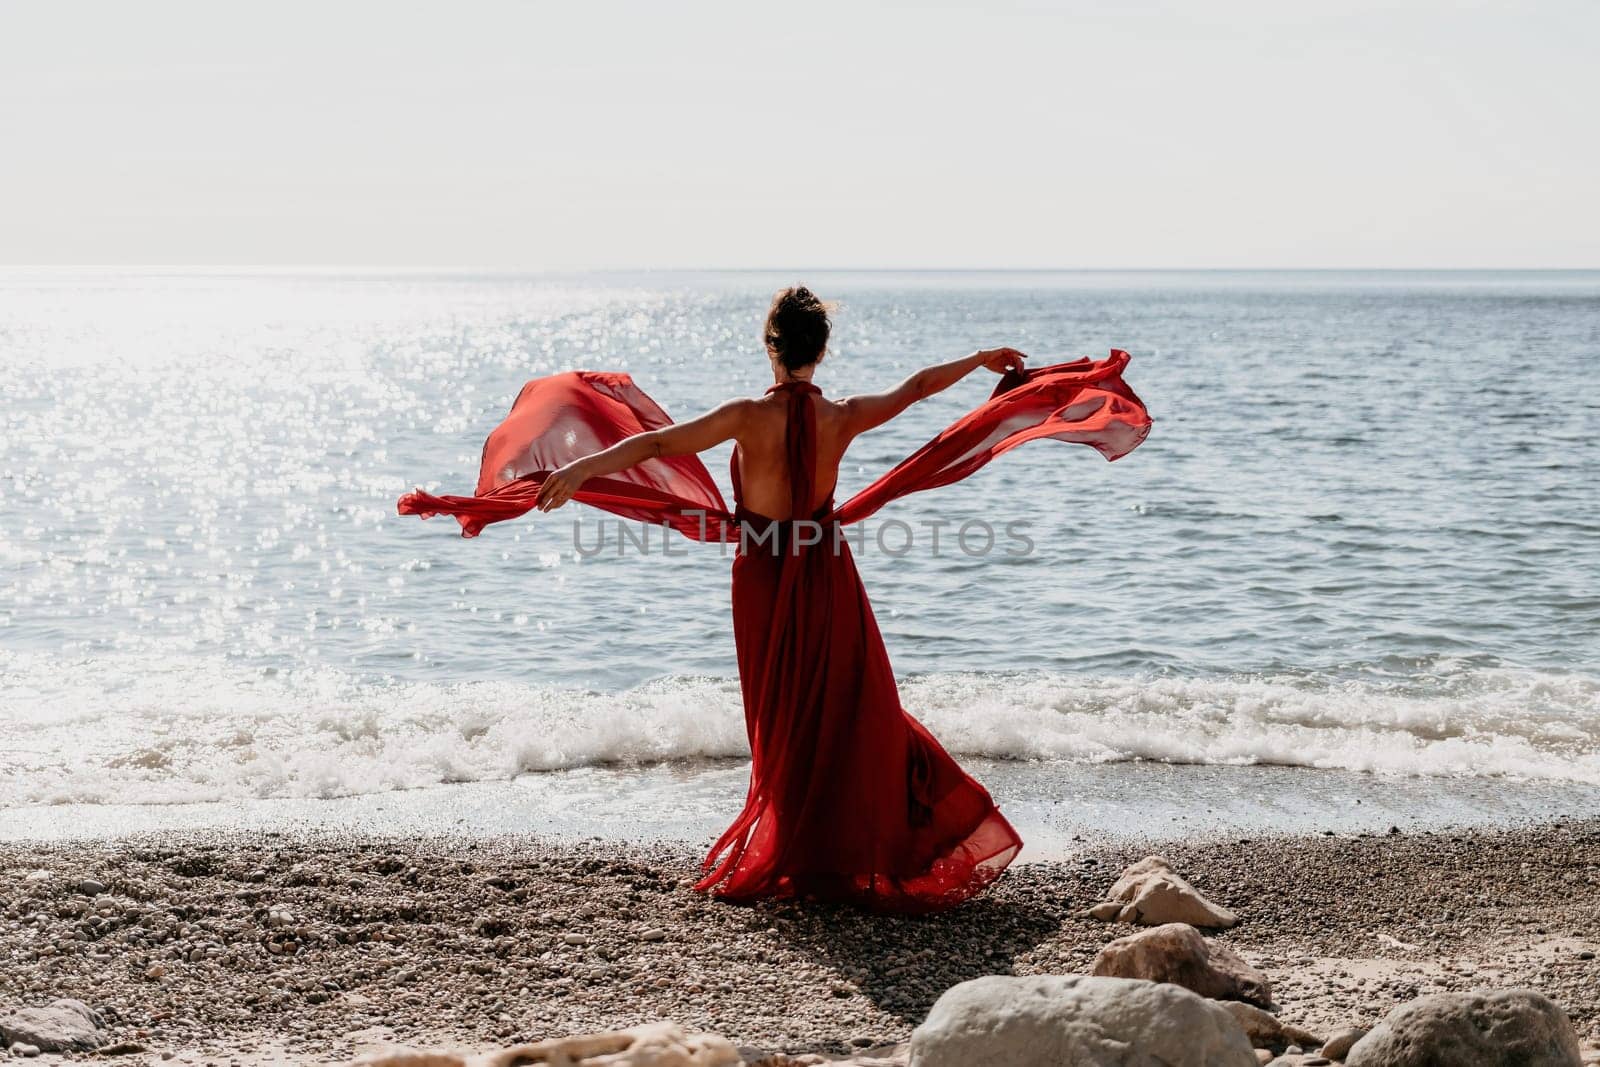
(560, 486)
(1001, 360)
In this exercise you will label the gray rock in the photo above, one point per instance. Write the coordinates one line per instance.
(1501, 1028)
(1177, 953)
(91, 887)
(60, 1026)
(1076, 1021)
(1338, 1046)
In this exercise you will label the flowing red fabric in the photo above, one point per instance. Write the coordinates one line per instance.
(850, 797)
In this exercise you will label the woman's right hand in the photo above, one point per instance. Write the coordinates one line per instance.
(1001, 360)
(561, 485)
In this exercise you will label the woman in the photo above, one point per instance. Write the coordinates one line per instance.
(850, 798)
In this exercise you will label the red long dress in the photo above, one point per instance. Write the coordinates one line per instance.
(850, 797)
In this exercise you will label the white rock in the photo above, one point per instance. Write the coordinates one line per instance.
(61, 1026)
(1151, 893)
(1077, 1021)
(1501, 1028)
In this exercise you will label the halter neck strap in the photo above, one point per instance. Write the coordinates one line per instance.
(800, 443)
(793, 387)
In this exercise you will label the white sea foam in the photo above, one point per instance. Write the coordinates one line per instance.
(108, 731)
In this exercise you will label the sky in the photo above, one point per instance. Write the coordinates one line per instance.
(497, 135)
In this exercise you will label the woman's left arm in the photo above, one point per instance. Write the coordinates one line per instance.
(680, 439)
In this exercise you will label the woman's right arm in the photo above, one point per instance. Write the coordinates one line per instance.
(680, 439)
(876, 409)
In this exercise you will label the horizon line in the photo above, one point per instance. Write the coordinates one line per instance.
(355, 268)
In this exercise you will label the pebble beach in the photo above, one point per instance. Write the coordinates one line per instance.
(227, 948)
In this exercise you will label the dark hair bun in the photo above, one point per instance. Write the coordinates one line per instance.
(797, 327)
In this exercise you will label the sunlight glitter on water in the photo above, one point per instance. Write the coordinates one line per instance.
(1352, 541)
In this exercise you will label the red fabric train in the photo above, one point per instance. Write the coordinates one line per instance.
(850, 797)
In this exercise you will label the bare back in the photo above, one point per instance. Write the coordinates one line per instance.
(759, 430)
(762, 461)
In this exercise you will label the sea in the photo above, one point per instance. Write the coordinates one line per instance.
(1351, 580)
